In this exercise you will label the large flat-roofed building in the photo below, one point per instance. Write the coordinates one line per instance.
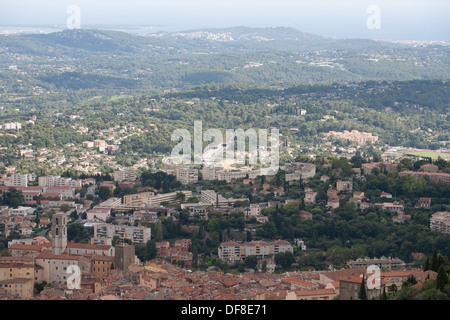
(187, 175)
(231, 250)
(58, 181)
(210, 197)
(17, 268)
(137, 199)
(229, 176)
(382, 263)
(210, 173)
(353, 136)
(55, 266)
(440, 221)
(111, 203)
(156, 200)
(125, 175)
(19, 287)
(218, 173)
(297, 170)
(433, 176)
(21, 211)
(150, 199)
(19, 180)
(138, 235)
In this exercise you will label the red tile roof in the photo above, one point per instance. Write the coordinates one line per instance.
(314, 292)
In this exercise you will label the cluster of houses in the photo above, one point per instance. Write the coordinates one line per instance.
(159, 279)
(89, 156)
(114, 272)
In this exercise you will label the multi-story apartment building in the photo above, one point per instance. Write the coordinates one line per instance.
(440, 221)
(231, 250)
(137, 199)
(150, 199)
(433, 176)
(17, 267)
(21, 287)
(187, 175)
(21, 211)
(431, 168)
(13, 126)
(229, 176)
(101, 265)
(65, 191)
(280, 246)
(382, 263)
(19, 180)
(58, 181)
(345, 186)
(138, 235)
(125, 175)
(210, 197)
(390, 207)
(218, 173)
(156, 200)
(210, 173)
(301, 170)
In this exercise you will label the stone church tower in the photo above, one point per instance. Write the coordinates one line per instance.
(59, 233)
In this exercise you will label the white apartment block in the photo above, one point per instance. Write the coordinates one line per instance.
(138, 235)
(210, 173)
(13, 126)
(58, 181)
(228, 176)
(66, 191)
(21, 211)
(300, 170)
(216, 200)
(440, 221)
(187, 175)
(125, 175)
(19, 180)
(233, 251)
(217, 173)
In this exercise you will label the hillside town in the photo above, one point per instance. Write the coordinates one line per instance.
(38, 255)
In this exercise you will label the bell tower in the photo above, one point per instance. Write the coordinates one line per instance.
(59, 233)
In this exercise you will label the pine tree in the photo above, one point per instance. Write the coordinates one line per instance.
(159, 232)
(434, 261)
(362, 295)
(427, 265)
(384, 295)
(442, 278)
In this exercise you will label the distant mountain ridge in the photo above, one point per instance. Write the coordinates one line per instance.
(93, 58)
(240, 38)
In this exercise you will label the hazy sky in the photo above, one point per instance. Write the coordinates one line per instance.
(399, 19)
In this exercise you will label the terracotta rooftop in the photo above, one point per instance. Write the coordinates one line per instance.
(314, 292)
